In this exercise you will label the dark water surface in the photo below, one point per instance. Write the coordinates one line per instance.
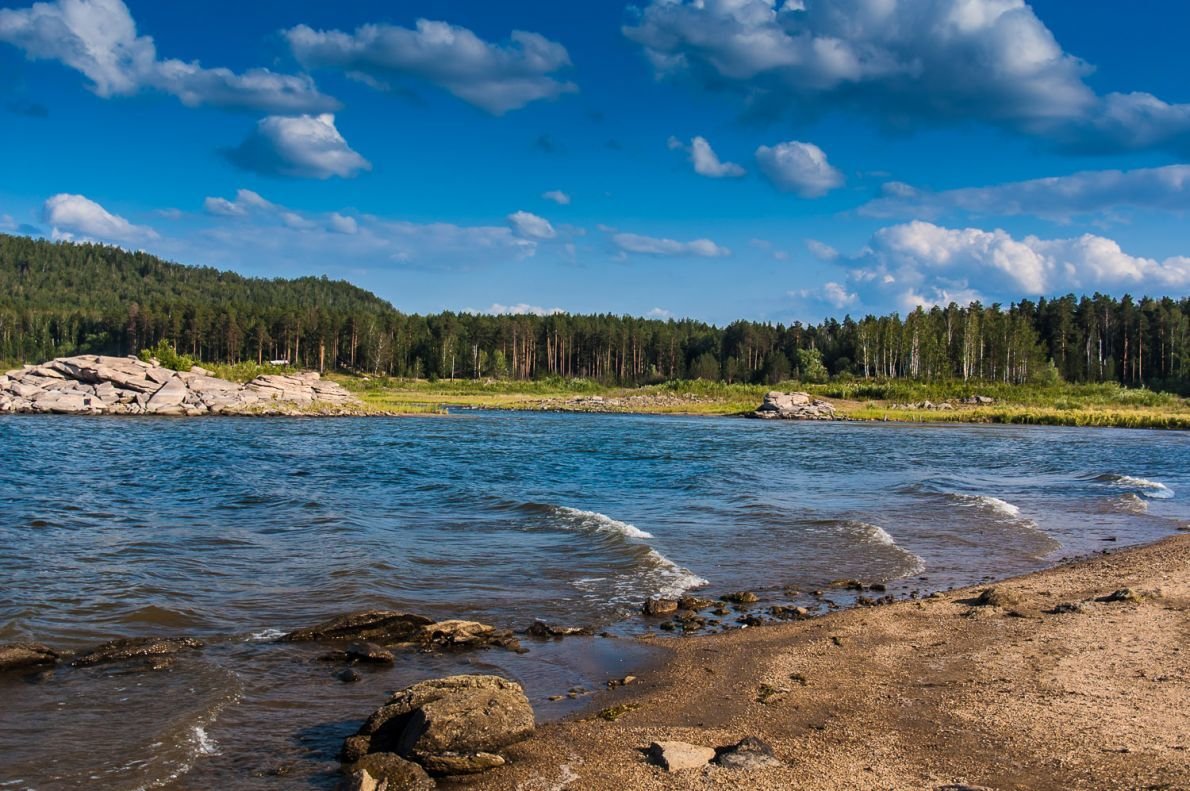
(235, 530)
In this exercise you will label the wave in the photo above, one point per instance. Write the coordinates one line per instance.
(602, 523)
(988, 503)
(1151, 489)
(878, 535)
(1132, 503)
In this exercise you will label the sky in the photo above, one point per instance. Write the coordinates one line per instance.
(773, 160)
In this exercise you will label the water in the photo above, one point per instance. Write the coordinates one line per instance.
(235, 530)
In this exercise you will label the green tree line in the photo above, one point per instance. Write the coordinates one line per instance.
(61, 298)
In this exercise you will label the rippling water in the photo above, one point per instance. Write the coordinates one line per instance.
(234, 530)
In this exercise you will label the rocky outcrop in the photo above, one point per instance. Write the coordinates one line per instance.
(389, 627)
(449, 726)
(793, 406)
(135, 648)
(25, 656)
(99, 385)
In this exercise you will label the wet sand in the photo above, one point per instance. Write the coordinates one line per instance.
(915, 695)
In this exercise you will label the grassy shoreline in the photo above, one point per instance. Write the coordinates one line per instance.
(1098, 405)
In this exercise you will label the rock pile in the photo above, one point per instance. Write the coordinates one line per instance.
(99, 385)
(793, 406)
(446, 726)
(392, 628)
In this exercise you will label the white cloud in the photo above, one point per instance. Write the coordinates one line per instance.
(909, 63)
(531, 226)
(838, 296)
(649, 245)
(821, 250)
(706, 162)
(343, 224)
(7, 223)
(519, 309)
(494, 77)
(659, 313)
(557, 196)
(74, 216)
(245, 201)
(99, 39)
(1060, 197)
(798, 167)
(304, 146)
(920, 261)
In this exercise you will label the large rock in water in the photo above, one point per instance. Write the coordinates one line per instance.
(129, 648)
(383, 626)
(91, 384)
(450, 726)
(23, 656)
(793, 406)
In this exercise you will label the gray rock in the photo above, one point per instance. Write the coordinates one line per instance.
(793, 406)
(747, 753)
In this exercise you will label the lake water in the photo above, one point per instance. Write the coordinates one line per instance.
(235, 530)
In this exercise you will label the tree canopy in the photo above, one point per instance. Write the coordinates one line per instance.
(59, 298)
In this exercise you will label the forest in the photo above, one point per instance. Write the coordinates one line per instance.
(60, 298)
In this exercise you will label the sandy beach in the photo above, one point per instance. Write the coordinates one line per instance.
(916, 695)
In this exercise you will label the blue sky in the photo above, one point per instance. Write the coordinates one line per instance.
(720, 159)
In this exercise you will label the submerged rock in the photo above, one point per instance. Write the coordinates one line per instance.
(22, 656)
(467, 634)
(370, 653)
(658, 606)
(453, 725)
(378, 625)
(543, 629)
(135, 648)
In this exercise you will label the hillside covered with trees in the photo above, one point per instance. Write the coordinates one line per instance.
(62, 298)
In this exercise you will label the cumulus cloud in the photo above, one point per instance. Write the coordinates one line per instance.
(303, 146)
(79, 217)
(557, 196)
(821, 250)
(923, 263)
(98, 38)
(650, 245)
(245, 201)
(496, 78)
(797, 167)
(531, 226)
(910, 62)
(838, 296)
(1060, 197)
(706, 162)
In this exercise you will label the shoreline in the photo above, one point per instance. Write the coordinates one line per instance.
(913, 694)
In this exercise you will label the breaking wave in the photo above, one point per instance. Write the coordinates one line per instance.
(988, 503)
(1151, 489)
(878, 535)
(602, 523)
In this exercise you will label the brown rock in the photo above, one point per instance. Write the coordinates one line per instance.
(135, 648)
(389, 772)
(21, 656)
(657, 606)
(382, 625)
(369, 652)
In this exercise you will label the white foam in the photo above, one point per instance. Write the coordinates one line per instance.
(1151, 488)
(604, 523)
(203, 743)
(266, 635)
(676, 579)
(1002, 507)
(882, 536)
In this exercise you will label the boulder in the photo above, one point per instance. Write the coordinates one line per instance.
(22, 656)
(385, 772)
(680, 756)
(793, 406)
(369, 653)
(168, 398)
(658, 606)
(376, 625)
(453, 725)
(543, 629)
(135, 648)
(747, 753)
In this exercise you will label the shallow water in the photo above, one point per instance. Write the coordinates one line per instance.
(234, 530)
